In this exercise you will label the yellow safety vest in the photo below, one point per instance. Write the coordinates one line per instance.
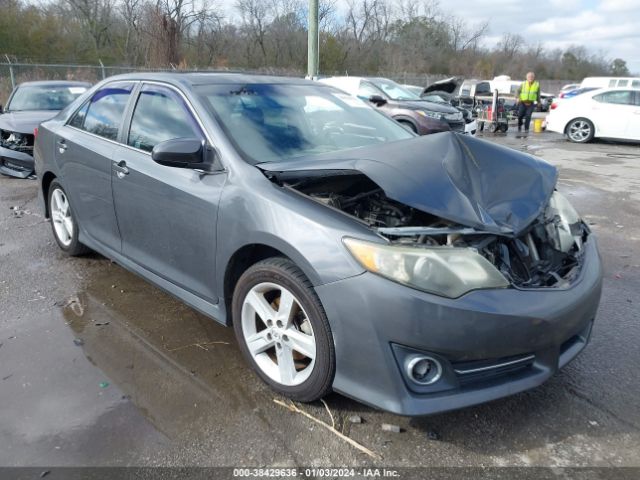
(529, 93)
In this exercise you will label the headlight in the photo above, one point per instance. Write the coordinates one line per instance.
(428, 114)
(453, 116)
(565, 229)
(446, 271)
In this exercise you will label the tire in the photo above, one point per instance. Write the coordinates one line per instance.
(281, 350)
(504, 127)
(493, 128)
(580, 130)
(63, 221)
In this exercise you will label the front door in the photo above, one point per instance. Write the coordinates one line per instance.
(167, 216)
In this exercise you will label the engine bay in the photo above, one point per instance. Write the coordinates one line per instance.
(548, 253)
(20, 142)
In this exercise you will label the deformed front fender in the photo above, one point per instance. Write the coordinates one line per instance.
(308, 233)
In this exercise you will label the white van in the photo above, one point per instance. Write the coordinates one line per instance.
(610, 82)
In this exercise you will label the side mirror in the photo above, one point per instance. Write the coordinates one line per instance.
(377, 100)
(190, 153)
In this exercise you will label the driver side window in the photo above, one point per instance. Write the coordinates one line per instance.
(160, 115)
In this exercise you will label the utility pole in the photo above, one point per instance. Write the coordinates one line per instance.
(313, 42)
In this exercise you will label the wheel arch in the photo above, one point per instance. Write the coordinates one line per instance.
(47, 178)
(407, 119)
(252, 253)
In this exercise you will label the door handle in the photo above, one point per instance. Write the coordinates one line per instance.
(62, 145)
(121, 168)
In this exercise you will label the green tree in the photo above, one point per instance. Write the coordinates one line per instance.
(619, 68)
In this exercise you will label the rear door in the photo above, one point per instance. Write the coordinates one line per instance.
(166, 216)
(612, 112)
(84, 149)
(633, 129)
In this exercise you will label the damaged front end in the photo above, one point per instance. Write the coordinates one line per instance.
(525, 236)
(16, 153)
(19, 142)
(548, 253)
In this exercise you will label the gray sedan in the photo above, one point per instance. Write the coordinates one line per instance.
(415, 274)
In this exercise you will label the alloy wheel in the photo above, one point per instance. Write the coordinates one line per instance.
(61, 217)
(278, 334)
(579, 131)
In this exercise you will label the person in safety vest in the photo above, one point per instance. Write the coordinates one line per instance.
(528, 98)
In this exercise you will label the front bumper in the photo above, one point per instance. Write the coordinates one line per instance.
(471, 128)
(374, 319)
(427, 126)
(16, 164)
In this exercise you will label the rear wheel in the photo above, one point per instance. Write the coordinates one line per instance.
(580, 130)
(283, 331)
(63, 221)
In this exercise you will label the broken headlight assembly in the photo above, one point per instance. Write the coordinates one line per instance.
(564, 223)
(428, 114)
(445, 271)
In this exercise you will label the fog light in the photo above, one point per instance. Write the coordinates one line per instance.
(424, 370)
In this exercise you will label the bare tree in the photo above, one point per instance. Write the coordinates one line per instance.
(96, 18)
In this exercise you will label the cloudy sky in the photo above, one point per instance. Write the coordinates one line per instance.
(611, 27)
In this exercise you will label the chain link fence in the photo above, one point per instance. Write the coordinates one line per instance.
(12, 73)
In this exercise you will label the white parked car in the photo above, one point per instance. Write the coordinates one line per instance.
(603, 113)
(610, 82)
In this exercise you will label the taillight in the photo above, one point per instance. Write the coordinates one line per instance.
(35, 133)
(561, 95)
(554, 105)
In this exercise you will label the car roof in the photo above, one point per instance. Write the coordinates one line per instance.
(350, 85)
(54, 83)
(209, 78)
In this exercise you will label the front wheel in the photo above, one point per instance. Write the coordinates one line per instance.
(580, 130)
(283, 330)
(63, 221)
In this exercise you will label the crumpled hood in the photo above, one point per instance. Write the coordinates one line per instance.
(463, 179)
(448, 85)
(26, 121)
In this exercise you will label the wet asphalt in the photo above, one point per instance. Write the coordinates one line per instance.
(98, 367)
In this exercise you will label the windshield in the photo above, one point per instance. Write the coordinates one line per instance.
(394, 91)
(270, 123)
(41, 97)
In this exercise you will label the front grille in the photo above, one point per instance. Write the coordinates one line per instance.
(483, 370)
